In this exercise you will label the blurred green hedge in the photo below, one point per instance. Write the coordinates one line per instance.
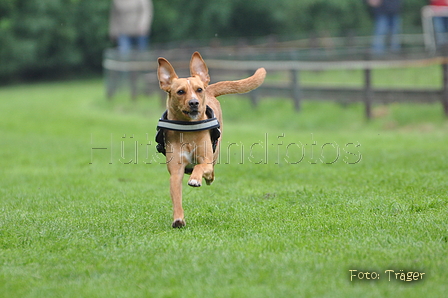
(52, 38)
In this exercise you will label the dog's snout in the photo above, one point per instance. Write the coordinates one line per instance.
(193, 103)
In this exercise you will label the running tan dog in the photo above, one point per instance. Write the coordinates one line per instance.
(189, 132)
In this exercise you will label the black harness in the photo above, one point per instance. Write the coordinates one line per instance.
(211, 124)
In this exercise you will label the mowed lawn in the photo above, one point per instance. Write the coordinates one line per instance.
(299, 200)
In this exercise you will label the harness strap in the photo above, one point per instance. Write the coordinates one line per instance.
(211, 124)
(188, 126)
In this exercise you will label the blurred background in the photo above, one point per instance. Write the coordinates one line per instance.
(50, 39)
(353, 112)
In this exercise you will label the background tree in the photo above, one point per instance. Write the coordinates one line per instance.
(52, 38)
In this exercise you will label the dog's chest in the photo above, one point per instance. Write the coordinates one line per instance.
(189, 148)
(189, 157)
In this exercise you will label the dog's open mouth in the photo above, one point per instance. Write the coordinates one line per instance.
(193, 114)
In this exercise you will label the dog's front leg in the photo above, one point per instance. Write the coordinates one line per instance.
(176, 197)
(201, 171)
(203, 157)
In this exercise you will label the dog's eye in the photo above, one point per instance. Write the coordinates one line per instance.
(199, 90)
(180, 92)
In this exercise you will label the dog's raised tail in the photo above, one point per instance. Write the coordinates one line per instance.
(240, 86)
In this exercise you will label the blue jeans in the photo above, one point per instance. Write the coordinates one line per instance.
(441, 29)
(386, 24)
(127, 43)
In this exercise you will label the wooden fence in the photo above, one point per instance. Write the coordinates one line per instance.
(293, 88)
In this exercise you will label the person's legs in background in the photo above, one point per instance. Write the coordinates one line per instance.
(380, 33)
(129, 47)
(440, 30)
(124, 43)
(395, 30)
(124, 47)
(142, 43)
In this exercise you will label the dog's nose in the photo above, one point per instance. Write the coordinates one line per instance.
(193, 103)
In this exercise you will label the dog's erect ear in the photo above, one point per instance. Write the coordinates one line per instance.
(198, 68)
(166, 74)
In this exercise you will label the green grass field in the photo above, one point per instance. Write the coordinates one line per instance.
(299, 200)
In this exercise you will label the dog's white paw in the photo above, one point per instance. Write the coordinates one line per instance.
(194, 183)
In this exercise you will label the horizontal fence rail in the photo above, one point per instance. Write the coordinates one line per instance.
(135, 65)
(117, 65)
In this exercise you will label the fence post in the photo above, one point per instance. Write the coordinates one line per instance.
(295, 89)
(445, 87)
(368, 92)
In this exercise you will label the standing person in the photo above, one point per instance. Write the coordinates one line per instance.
(130, 24)
(440, 22)
(387, 21)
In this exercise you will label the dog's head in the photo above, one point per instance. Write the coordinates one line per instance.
(186, 96)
